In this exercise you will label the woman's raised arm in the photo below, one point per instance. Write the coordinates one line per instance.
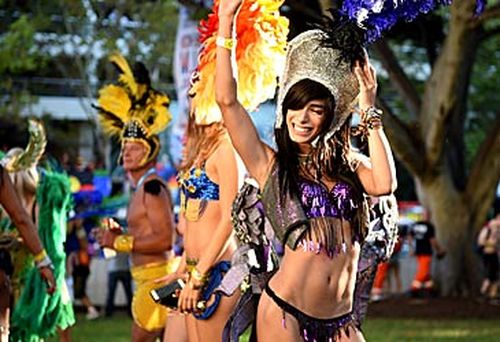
(255, 154)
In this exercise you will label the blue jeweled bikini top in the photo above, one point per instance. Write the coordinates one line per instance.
(195, 184)
(196, 189)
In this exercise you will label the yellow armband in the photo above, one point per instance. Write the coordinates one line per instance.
(40, 256)
(226, 43)
(124, 243)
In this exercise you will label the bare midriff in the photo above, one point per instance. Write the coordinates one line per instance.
(316, 284)
(199, 234)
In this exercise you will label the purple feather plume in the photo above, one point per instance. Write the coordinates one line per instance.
(377, 16)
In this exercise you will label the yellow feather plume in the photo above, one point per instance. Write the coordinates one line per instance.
(132, 102)
(126, 75)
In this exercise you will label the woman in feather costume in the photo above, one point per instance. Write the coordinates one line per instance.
(208, 176)
(313, 187)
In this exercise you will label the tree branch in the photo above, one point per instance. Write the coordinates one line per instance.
(485, 171)
(404, 143)
(448, 85)
(492, 12)
(487, 34)
(399, 78)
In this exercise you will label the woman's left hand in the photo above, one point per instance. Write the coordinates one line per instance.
(188, 298)
(367, 78)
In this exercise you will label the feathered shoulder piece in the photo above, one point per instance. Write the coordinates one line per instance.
(17, 159)
(132, 104)
(260, 54)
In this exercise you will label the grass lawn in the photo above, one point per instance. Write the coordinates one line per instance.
(117, 329)
(386, 329)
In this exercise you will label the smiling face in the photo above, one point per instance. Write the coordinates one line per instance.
(306, 123)
(133, 153)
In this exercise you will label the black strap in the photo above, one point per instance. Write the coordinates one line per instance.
(154, 187)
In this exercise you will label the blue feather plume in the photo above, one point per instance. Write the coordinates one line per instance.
(377, 16)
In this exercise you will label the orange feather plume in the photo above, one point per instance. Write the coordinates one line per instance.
(261, 34)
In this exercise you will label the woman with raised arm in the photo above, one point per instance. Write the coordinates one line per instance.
(313, 187)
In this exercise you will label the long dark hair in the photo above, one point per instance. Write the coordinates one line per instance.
(297, 97)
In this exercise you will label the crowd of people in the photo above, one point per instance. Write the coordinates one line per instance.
(306, 233)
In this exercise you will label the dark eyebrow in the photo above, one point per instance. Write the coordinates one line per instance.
(317, 106)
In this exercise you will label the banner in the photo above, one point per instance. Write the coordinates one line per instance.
(185, 62)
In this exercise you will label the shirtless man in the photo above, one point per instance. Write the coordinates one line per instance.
(21, 219)
(137, 120)
(149, 239)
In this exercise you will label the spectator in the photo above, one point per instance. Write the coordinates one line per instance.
(118, 271)
(424, 234)
(79, 262)
(84, 173)
(488, 242)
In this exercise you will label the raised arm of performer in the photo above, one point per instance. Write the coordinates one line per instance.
(379, 175)
(256, 155)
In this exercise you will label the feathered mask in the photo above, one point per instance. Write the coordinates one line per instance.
(17, 159)
(260, 55)
(133, 110)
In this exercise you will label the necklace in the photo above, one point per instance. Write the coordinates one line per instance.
(304, 159)
(144, 176)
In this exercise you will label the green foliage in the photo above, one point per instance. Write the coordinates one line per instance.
(483, 100)
(17, 51)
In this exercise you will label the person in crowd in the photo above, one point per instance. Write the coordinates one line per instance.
(388, 272)
(136, 113)
(424, 235)
(83, 172)
(489, 243)
(118, 271)
(79, 265)
(313, 186)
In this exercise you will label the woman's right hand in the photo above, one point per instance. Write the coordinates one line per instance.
(228, 8)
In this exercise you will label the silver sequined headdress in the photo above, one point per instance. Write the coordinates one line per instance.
(308, 58)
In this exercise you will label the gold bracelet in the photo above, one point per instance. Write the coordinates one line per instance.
(40, 256)
(124, 243)
(226, 43)
(198, 276)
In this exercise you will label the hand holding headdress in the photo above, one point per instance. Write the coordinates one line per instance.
(133, 110)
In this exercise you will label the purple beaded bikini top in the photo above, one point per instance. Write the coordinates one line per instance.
(318, 201)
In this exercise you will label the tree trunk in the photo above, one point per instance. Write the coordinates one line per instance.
(457, 273)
